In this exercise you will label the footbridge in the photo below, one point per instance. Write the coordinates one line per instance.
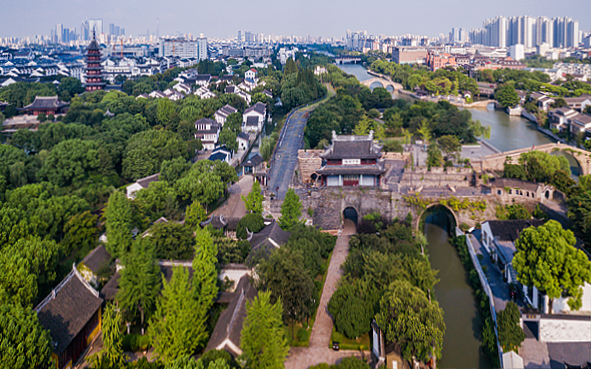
(347, 60)
(495, 162)
(384, 82)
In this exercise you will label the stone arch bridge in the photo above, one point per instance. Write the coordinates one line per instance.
(495, 162)
(384, 82)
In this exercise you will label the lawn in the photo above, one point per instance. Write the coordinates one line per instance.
(361, 343)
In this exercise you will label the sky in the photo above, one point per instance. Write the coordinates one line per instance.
(222, 18)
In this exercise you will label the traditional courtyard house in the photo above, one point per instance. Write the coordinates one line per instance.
(268, 93)
(252, 125)
(258, 110)
(217, 222)
(580, 124)
(242, 139)
(517, 190)
(545, 102)
(578, 103)
(140, 184)
(208, 131)
(352, 161)
(223, 113)
(269, 238)
(204, 93)
(183, 88)
(221, 154)
(176, 96)
(243, 95)
(560, 117)
(93, 265)
(498, 237)
(72, 315)
(228, 329)
(157, 94)
(202, 79)
(46, 105)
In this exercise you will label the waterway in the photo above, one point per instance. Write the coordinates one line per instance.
(507, 133)
(461, 343)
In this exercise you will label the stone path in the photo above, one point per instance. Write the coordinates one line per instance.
(234, 206)
(319, 351)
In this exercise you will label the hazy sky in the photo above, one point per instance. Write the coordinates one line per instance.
(300, 17)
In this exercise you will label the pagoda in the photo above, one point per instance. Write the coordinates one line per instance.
(94, 69)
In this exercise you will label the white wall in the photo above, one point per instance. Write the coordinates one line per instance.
(554, 330)
(561, 305)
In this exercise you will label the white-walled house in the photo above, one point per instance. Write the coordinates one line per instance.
(140, 184)
(242, 139)
(208, 131)
(250, 74)
(223, 113)
(580, 123)
(498, 237)
(204, 93)
(181, 87)
(258, 110)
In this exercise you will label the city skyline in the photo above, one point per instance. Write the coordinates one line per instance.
(326, 19)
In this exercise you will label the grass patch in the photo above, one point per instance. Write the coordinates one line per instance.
(360, 343)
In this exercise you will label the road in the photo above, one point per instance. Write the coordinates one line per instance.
(292, 140)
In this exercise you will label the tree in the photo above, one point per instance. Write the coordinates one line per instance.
(450, 145)
(139, 284)
(408, 319)
(204, 269)
(290, 67)
(204, 187)
(251, 222)
(291, 210)
(228, 138)
(234, 123)
(119, 217)
(506, 95)
(174, 169)
(352, 306)
(165, 111)
(425, 131)
(172, 241)
(254, 200)
(178, 326)
(434, 157)
(547, 259)
(111, 355)
(80, 233)
(263, 341)
(24, 343)
(285, 276)
(510, 333)
(42, 117)
(70, 162)
(29, 265)
(194, 215)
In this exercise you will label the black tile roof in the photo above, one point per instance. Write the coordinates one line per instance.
(259, 107)
(244, 136)
(46, 102)
(516, 183)
(145, 182)
(67, 310)
(97, 259)
(252, 121)
(216, 221)
(254, 161)
(509, 230)
(351, 169)
(226, 110)
(270, 236)
(229, 325)
(355, 148)
(203, 77)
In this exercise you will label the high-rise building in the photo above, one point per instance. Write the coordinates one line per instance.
(59, 33)
(527, 31)
(183, 48)
(94, 70)
(239, 36)
(96, 25)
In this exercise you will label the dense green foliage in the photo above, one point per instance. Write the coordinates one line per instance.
(24, 343)
(547, 258)
(510, 333)
(263, 340)
(374, 262)
(291, 210)
(251, 222)
(506, 95)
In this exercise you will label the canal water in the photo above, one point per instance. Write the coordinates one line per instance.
(461, 343)
(507, 133)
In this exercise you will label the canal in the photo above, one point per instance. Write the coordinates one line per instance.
(506, 133)
(461, 344)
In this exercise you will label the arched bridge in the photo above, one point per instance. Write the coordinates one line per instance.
(496, 161)
(384, 82)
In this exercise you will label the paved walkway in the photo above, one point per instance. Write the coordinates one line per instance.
(319, 351)
(234, 206)
(499, 288)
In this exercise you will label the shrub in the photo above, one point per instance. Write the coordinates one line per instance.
(253, 221)
(136, 342)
